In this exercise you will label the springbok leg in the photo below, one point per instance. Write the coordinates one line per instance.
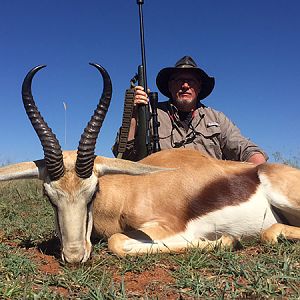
(271, 234)
(139, 242)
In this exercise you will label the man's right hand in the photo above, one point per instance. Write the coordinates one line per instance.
(140, 96)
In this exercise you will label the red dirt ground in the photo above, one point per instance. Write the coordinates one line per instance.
(153, 283)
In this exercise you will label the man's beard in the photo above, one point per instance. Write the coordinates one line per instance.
(185, 105)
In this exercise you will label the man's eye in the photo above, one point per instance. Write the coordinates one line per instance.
(181, 81)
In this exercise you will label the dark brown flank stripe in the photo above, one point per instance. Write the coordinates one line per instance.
(226, 191)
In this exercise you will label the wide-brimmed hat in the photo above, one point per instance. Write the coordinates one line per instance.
(186, 63)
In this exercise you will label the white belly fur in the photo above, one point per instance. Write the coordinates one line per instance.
(244, 220)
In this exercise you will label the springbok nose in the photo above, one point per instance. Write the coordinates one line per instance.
(73, 254)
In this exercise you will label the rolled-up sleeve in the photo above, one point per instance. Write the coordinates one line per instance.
(234, 145)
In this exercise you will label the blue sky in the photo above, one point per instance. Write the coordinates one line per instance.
(251, 48)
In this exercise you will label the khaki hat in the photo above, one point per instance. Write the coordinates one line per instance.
(188, 64)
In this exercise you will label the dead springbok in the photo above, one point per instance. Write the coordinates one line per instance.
(175, 200)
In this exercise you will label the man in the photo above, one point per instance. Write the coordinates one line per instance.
(186, 122)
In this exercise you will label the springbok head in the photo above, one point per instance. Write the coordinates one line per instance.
(70, 179)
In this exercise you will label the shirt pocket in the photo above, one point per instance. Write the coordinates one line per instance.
(209, 138)
(211, 130)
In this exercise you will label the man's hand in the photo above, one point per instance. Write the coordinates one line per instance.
(257, 159)
(140, 97)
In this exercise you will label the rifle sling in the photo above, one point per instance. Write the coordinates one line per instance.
(126, 120)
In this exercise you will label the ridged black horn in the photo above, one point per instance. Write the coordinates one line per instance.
(87, 144)
(52, 150)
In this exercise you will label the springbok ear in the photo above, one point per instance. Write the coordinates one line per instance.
(105, 166)
(24, 170)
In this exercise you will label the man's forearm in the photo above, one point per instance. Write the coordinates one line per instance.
(132, 129)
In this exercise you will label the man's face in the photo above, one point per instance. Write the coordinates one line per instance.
(184, 88)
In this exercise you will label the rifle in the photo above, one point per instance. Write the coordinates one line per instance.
(143, 138)
(143, 144)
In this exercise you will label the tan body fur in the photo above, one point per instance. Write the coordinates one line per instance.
(158, 204)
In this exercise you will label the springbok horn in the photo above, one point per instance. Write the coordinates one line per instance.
(87, 144)
(52, 150)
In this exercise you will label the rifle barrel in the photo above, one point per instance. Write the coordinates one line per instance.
(142, 39)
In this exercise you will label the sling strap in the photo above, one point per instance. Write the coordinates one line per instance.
(126, 120)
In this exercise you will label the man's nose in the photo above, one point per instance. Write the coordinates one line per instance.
(185, 85)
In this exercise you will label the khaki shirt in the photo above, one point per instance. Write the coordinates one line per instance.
(205, 129)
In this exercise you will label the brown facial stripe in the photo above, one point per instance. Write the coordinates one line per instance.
(226, 191)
